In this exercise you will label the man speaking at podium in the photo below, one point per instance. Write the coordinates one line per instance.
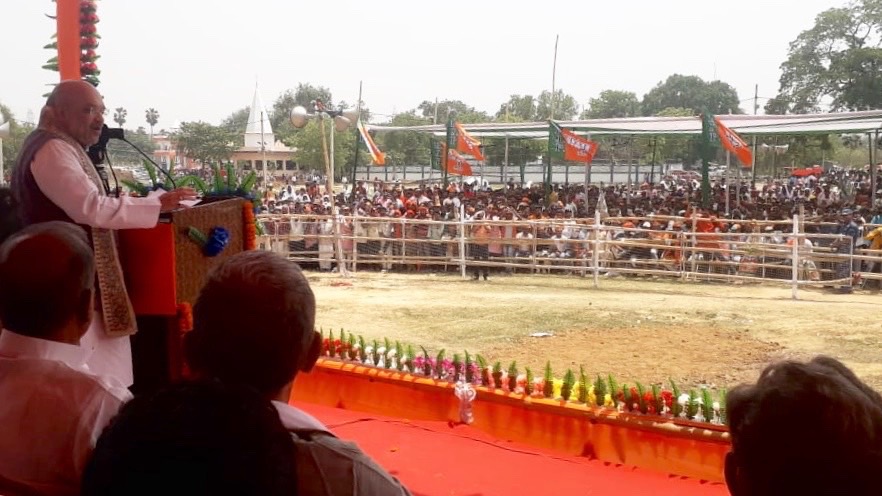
(54, 179)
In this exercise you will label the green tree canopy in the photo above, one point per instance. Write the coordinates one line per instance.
(18, 131)
(204, 142)
(612, 104)
(464, 113)
(691, 92)
(840, 57)
(406, 147)
(310, 153)
(518, 108)
(152, 117)
(565, 106)
(302, 95)
(119, 116)
(236, 123)
(526, 108)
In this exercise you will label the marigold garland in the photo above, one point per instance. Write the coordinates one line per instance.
(250, 227)
(88, 43)
(602, 392)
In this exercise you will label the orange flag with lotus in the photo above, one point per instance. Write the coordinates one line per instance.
(466, 144)
(732, 142)
(457, 164)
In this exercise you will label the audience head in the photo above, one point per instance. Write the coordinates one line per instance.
(47, 277)
(804, 428)
(254, 322)
(194, 438)
(77, 109)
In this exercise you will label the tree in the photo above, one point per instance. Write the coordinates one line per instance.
(119, 116)
(691, 92)
(18, 131)
(310, 151)
(464, 113)
(237, 122)
(612, 104)
(839, 57)
(565, 106)
(406, 147)
(303, 95)
(203, 142)
(152, 116)
(518, 108)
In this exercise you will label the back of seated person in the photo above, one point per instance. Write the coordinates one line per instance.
(807, 429)
(52, 409)
(254, 323)
(193, 439)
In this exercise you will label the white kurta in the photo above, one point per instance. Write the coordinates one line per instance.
(60, 177)
(52, 410)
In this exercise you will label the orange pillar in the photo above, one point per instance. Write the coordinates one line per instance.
(68, 26)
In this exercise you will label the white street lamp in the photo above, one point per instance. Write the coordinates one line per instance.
(4, 133)
(342, 120)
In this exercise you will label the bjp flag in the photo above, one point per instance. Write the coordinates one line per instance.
(567, 145)
(466, 144)
(457, 164)
(734, 143)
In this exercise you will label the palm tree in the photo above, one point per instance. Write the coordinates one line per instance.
(152, 118)
(119, 116)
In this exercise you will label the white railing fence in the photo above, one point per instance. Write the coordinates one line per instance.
(790, 252)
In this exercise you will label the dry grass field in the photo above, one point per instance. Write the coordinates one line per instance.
(636, 329)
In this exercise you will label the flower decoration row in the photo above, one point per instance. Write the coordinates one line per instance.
(599, 392)
(88, 43)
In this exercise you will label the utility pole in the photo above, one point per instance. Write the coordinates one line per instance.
(753, 166)
(266, 184)
(551, 118)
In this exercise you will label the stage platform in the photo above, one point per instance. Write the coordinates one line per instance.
(440, 459)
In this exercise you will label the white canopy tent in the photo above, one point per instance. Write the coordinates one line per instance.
(753, 126)
(746, 125)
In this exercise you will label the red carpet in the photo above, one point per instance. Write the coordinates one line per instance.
(437, 459)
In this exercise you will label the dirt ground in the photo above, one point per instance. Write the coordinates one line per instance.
(643, 330)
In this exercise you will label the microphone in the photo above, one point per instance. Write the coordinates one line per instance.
(100, 150)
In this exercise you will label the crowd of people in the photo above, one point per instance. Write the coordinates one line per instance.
(395, 226)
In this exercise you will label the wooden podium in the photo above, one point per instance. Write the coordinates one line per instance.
(164, 271)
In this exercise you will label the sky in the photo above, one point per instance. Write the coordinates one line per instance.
(198, 60)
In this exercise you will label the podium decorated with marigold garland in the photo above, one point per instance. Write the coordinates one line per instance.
(165, 267)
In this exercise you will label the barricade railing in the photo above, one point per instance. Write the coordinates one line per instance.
(665, 247)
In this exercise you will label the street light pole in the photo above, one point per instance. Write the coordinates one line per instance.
(266, 185)
(342, 119)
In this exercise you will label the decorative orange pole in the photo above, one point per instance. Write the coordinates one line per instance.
(68, 26)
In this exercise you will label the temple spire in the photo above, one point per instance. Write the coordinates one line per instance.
(259, 113)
